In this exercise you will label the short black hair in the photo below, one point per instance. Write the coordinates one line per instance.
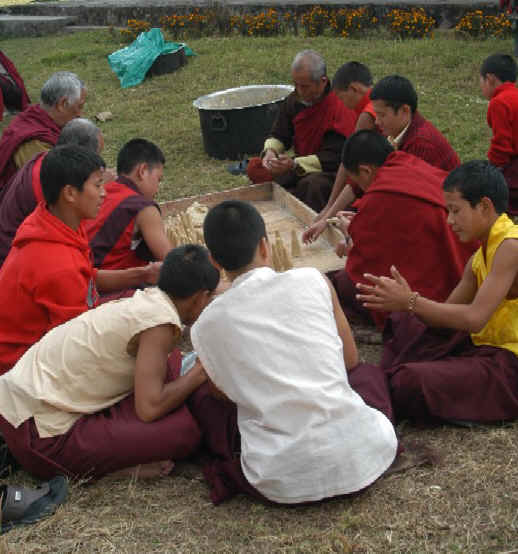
(395, 91)
(67, 165)
(477, 179)
(137, 151)
(502, 66)
(187, 270)
(365, 147)
(351, 72)
(232, 231)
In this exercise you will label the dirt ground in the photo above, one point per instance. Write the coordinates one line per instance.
(466, 502)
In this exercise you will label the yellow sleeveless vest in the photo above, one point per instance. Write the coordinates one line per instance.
(502, 328)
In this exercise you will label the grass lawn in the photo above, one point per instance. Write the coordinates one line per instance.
(468, 502)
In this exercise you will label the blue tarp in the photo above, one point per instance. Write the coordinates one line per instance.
(131, 64)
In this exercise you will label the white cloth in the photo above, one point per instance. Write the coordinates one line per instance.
(270, 343)
(84, 365)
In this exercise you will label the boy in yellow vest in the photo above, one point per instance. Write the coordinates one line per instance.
(467, 370)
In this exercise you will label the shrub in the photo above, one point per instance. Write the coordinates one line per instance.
(264, 24)
(135, 27)
(315, 21)
(413, 23)
(477, 24)
(347, 22)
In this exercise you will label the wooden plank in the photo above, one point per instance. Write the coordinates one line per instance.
(304, 213)
(249, 193)
(284, 215)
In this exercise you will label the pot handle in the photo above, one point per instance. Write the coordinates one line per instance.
(218, 122)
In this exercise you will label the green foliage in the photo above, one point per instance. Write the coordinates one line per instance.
(160, 109)
(477, 24)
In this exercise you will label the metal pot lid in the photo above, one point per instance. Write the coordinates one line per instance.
(243, 97)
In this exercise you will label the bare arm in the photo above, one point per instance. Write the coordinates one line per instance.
(344, 330)
(109, 280)
(155, 398)
(150, 224)
(466, 289)
(394, 295)
(345, 197)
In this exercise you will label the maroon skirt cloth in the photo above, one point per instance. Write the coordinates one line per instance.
(218, 422)
(439, 374)
(510, 172)
(107, 441)
(347, 291)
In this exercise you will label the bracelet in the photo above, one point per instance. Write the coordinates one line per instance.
(412, 301)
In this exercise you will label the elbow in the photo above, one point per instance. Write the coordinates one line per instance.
(475, 324)
(145, 413)
(352, 359)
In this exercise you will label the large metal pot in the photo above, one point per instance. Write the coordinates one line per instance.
(235, 122)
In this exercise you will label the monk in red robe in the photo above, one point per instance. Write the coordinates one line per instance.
(394, 100)
(401, 220)
(37, 128)
(303, 150)
(457, 361)
(23, 192)
(13, 95)
(498, 84)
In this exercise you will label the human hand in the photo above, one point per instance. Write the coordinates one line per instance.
(343, 248)
(344, 220)
(151, 272)
(281, 165)
(269, 155)
(314, 231)
(385, 293)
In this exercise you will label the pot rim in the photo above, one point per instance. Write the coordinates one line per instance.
(196, 103)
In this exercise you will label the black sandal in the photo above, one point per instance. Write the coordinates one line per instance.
(23, 506)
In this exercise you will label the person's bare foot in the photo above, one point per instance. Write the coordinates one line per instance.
(146, 471)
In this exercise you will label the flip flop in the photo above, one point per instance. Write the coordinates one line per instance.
(23, 506)
(238, 168)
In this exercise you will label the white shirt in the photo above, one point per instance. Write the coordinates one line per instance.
(270, 343)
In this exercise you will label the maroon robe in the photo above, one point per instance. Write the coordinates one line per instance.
(402, 221)
(22, 194)
(15, 76)
(439, 374)
(107, 441)
(218, 422)
(32, 124)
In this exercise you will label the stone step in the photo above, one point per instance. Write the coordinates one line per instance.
(12, 26)
(117, 12)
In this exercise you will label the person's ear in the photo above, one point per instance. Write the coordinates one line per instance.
(62, 104)
(264, 250)
(141, 170)
(486, 205)
(215, 263)
(69, 193)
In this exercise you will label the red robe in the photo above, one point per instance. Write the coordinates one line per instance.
(426, 142)
(401, 221)
(15, 76)
(32, 124)
(111, 233)
(502, 118)
(46, 279)
(312, 123)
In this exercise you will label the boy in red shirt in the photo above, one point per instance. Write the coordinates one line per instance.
(497, 82)
(48, 277)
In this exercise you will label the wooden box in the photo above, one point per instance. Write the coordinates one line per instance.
(282, 212)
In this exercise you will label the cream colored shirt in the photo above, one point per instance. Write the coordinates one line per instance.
(84, 365)
(395, 141)
(271, 344)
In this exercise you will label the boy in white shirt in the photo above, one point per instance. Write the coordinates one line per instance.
(277, 346)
